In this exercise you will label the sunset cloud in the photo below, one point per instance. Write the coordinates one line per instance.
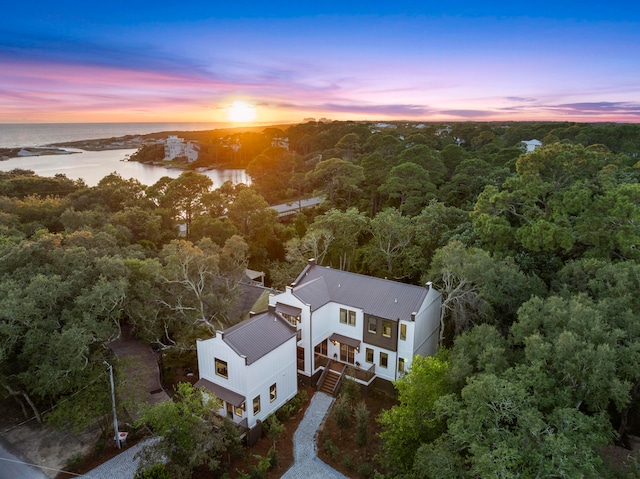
(161, 62)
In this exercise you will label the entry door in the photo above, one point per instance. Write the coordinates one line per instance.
(347, 353)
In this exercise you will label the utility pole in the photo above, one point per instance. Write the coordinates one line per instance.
(113, 401)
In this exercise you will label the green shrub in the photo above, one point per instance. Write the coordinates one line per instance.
(342, 413)
(362, 416)
(347, 460)
(75, 462)
(331, 449)
(274, 457)
(157, 471)
(259, 470)
(350, 390)
(365, 470)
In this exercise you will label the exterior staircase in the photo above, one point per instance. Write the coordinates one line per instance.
(329, 383)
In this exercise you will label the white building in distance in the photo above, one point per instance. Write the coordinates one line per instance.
(176, 147)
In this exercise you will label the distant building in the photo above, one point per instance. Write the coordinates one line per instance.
(175, 147)
(280, 143)
(531, 145)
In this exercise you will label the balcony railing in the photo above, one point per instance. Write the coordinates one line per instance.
(352, 370)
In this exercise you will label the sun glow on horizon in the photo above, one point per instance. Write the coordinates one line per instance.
(241, 112)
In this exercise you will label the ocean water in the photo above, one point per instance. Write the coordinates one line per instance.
(92, 166)
(15, 135)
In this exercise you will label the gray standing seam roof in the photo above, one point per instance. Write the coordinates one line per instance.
(257, 336)
(318, 285)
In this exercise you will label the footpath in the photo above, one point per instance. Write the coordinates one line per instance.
(307, 465)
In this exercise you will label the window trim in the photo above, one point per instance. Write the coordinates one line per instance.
(217, 361)
(372, 326)
(347, 316)
(366, 357)
(256, 410)
(386, 325)
(386, 360)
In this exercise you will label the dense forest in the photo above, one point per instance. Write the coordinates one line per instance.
(536, 255)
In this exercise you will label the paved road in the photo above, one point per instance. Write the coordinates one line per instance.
(12, 467)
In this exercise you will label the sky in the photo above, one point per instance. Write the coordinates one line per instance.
(272, 62)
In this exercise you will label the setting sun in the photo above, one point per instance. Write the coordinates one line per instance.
(241, 112)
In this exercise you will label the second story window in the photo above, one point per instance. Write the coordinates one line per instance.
(221, 368)
(372, 325)
(347, 317)
(403, 332)
(386, 329)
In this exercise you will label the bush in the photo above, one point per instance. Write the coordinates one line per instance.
(157, 471)
(362, 416)
(331, 449)
(259, 470)
(273, 428)
(350, 390)
(292, 406)
(347, 460)
(342, 413)
(365, 470)
(274, 458)
(75, 462)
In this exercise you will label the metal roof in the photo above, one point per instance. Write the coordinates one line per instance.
(257, 336)
(221, 392)
(319, 285)
(345, 340)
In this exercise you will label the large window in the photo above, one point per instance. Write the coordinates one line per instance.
(256, 405)
(321, 348)
(403, 332)
(369, 356)
(384, 360)
(273, 393)
(386, 329)
(347, 317)
(221, 368)
(240, 410)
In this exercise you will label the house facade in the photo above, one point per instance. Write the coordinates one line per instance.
(250, 367)
(374, 326)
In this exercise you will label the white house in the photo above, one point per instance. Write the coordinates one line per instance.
(374, 325)
(175, 147)
(327, 325)
(250, 367)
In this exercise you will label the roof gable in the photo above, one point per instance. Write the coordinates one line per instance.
(318, 285)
